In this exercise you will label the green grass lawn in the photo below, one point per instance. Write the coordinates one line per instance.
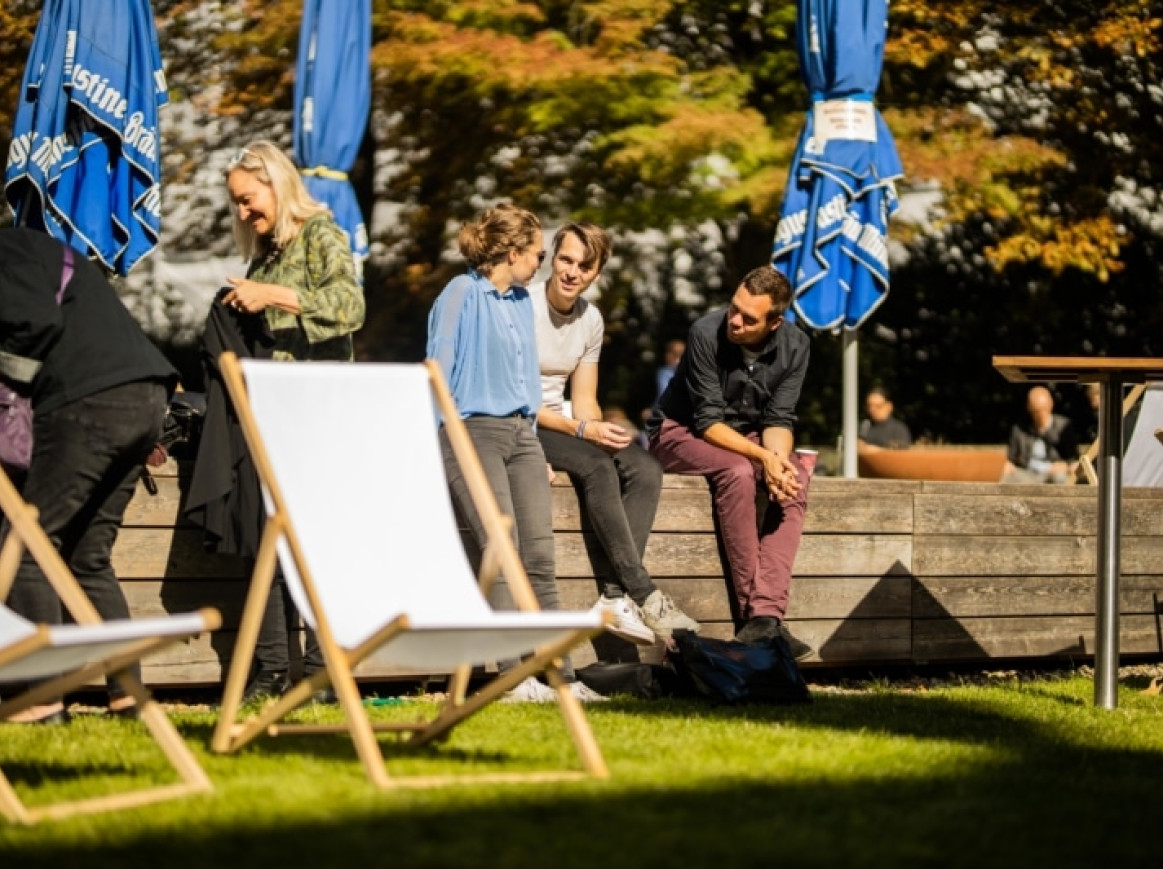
(1018, 773)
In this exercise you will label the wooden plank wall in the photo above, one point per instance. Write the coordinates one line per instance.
(888, 572)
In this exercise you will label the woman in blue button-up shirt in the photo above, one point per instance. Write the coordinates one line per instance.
(480, 331)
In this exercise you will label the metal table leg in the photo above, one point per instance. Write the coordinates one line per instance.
(1110, 487)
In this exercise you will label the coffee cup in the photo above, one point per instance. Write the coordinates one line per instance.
(808, 460)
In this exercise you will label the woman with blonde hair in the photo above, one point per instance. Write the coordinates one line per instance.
(301, 274)
(301, 281)
(480, 331)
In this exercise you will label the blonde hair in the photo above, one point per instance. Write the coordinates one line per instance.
(293, 204)
(593, 239)
(486, 241)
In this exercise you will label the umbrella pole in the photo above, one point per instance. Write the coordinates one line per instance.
(851, 355)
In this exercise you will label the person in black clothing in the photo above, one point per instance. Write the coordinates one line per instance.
(98, 396)
(881, 430)
(729, 415)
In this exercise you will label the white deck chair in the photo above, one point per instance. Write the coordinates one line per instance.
(1143, 461)
(1085, 472)
(68, 656)
(361, 520)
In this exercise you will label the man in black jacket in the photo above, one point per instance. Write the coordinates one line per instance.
(99, 395)
(728, 414)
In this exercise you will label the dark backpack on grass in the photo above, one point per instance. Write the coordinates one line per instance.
(731, 672)
(623, 678)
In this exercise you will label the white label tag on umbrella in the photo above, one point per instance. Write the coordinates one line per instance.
(844, 119)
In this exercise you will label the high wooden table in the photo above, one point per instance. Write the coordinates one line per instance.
(1112, 374)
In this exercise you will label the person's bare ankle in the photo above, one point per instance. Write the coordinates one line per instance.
(36, 713)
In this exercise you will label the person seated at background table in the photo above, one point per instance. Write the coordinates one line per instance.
(881, 430)
(1043, 450)
(675, 347)
(729, 415)
(480, 333)
(98, 388)
(618, 482)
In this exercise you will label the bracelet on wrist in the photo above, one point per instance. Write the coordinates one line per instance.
(581, 429)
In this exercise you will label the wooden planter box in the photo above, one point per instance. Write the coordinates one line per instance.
(889, 572)
(949, 464)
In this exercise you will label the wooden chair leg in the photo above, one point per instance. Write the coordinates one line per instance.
(256, 599)
(164, 733)
(10, 805)
(578, 725)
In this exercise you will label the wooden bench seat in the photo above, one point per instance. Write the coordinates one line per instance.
(888, 572)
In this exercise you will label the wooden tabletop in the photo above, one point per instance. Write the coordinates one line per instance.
(1078, 369)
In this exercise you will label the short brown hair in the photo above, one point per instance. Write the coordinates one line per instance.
(592, 237)
(500, 229)
(766, 281)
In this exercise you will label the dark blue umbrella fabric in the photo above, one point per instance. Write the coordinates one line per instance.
(332, 99)
(85, 160)
(831, 241)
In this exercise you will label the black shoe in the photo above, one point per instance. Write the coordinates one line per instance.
(326, 696)
(759, 630)
(799, 649)
(130, 713)
(266, 684)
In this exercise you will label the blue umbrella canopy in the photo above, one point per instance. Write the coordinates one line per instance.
(85, 159)
(831, 241)
(332, 99)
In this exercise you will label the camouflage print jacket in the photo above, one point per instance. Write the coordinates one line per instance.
(319, 267)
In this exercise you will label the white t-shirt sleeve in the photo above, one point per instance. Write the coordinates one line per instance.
(563, 343)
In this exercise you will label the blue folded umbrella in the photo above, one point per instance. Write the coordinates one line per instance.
(85, 161)
(332, 100)
(831, 241)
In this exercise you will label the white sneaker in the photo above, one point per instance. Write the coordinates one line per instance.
(663, 617)
(585, 693)
(530, 691)
(627, 619)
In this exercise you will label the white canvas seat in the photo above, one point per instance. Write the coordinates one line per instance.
(69, 647)
(1143, 460)
(359, 514)
(68, 656)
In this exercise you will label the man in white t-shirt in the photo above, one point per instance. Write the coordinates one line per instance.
(618, 482)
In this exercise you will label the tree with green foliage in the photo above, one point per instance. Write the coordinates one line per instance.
(673, 123)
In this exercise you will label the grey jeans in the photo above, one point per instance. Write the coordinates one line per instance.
(515, 467)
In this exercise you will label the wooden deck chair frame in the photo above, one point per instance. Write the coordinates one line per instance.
(499, 556)
(26, 532)
(1085, 471)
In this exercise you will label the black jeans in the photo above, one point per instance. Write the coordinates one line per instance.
(619, 495)
(87, 457)
(272, 648)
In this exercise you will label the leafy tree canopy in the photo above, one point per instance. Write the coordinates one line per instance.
(673, 122)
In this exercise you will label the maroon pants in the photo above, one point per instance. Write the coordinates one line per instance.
(760, 554)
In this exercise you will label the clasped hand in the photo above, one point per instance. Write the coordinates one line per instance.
(783, 483)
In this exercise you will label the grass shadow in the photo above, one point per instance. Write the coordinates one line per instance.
(878, 779)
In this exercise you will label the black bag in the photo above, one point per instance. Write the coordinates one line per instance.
(731, 672)
(628, 678)
(182, 428)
